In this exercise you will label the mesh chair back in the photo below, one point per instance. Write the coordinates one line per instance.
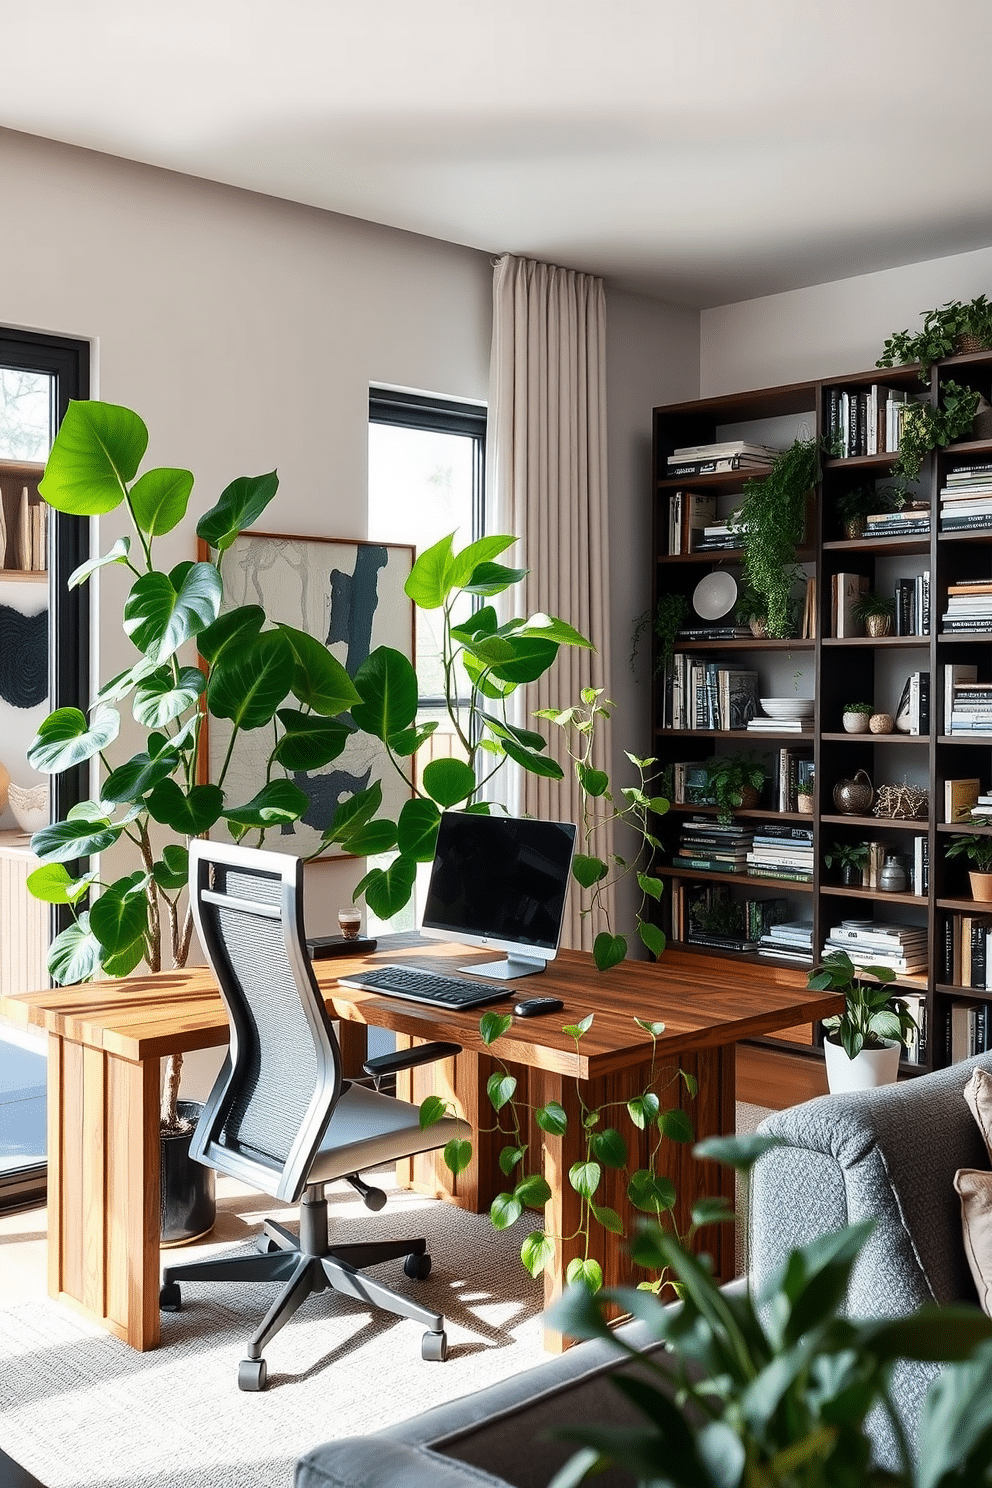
(270, 1106)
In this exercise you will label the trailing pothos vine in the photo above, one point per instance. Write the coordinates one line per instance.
(606, 1148)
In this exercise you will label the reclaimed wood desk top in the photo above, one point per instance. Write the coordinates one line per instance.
(704, 1002)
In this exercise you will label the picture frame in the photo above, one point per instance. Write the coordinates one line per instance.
(350, 594)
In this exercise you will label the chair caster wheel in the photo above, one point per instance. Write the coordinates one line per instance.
(170, 1298)
(265, 1246)
(252, 1374)
(434, 1348)
(374, 1199)
(418, 1268)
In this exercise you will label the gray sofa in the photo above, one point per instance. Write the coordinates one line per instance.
(887, 1154)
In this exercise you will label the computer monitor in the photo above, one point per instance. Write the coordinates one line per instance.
(500, 881)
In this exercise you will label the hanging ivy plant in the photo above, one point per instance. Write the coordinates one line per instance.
(669, 617)
(770, 520)
(927, 429)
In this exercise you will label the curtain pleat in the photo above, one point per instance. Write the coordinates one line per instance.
(546, 483)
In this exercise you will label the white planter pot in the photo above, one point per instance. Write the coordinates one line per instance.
(872, 1067)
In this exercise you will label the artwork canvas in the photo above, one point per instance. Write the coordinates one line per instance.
(350, 595)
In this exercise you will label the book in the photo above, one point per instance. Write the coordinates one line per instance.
(720, 450)
(847, 589)
(960, 796)
(955, 675)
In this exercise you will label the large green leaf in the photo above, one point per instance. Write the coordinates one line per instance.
(116, 554)
(388, 686)
(531, 659)
(96, 452)
(448, 781)
(163, 696)
(171, 870)
(533, 1191)
(125, 961)
(319, 680)
(609, 1148)
(53, 884)
(537, 1252)
(133, 780)
(504, 1211)
(388, 890)
(353, 813)
(310, 741)
(66, 739)
(279, 801)
(74, 954)
(650, 1193)
(585, 1177)
(493, 578)
(500, 1088)
(552, 1118)
(430, 580)
(124, 682)
(192, 813)
(480, 622)
(164, 611)
(159, 500)
(120, 916)
(547, 628)
(408, 741)
(483, 550)
(457, 1155)
(587, 1273)
(482, 679)
(588, 870)
(608, 950)
(64, 841)
(233, 628)
(240, 504)
(526, 738)
(532, 762)
(373, 838)
(248, 684)
(652, 936)
(416, 830)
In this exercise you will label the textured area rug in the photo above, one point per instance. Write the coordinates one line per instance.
(79, 1407)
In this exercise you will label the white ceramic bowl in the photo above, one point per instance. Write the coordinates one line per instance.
(29, 805)
(787, 707)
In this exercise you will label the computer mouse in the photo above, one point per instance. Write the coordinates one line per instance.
(529, 1007)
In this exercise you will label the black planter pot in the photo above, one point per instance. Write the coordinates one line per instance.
(850, 874)
(188, 1205)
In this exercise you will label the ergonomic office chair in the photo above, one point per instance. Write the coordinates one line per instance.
(280, 1117)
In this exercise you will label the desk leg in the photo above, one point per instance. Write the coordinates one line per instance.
(353, 1041)
(711, 1112)
(103, 1188)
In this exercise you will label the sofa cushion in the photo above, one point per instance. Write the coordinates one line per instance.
(974, 1188)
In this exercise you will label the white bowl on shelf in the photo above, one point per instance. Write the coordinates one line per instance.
(787, 707)
(30, 805)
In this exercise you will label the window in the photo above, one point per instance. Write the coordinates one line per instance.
(426, 479)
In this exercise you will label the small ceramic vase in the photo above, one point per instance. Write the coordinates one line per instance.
(758, 628)
(854, 528)
(855, 723)
(854, 797)
(892, 879)
(878, 625)
(881, 723)
(805, 804)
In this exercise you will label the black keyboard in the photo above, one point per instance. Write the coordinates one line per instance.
(412, 985)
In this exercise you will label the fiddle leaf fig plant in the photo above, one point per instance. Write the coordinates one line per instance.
(484, 662)
(256, 675)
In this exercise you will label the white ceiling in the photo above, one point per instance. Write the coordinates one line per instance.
(703, 151)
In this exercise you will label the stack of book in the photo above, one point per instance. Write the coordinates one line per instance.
(969, 606)
(968, 951)
(718, 536)
(911, 521)
(966, 498)
(714, 920)
(971, 709)
(719, 459)
(763, 725)
(967, 1031)
(793, 940)
(709, 845)
(782, 852)
(688, 513)
(912, 597)
(902, 948)
(703, 632)
(865, 421)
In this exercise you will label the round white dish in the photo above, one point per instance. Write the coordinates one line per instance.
(787, 707)
(715, 595)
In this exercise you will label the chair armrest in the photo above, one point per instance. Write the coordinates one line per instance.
(391, 1064)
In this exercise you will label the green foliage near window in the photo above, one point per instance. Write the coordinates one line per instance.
(927, 429)
(939, 335)
(872, 1015)
(771, 520)
(776, 1391)
(255, 675)
(497, 659)
(606, 1149)
(632, 806)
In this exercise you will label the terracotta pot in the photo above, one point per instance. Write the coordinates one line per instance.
(871, 1068)
(981, 886)
(878, 625)
(855, 723)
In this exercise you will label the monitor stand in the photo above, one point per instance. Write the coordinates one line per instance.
(508, 970)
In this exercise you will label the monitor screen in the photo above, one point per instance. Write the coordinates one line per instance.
(499, 880)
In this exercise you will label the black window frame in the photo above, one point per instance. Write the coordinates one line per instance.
(441, 416)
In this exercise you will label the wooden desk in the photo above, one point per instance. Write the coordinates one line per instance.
(106, 1039)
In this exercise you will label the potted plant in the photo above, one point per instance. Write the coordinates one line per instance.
(804, 796)
(875, 612)
(669, 617)
(855, 716)
(771, 520)
(862, 1045)
(927, 429)
(751, 609)
(955, 328)
(977, 848)
(734, 782)
(850, 858)
(781, 1391)
(863, 501)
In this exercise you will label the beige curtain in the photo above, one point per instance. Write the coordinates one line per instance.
(546, 483)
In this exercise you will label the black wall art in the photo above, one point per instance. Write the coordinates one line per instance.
(23, 657)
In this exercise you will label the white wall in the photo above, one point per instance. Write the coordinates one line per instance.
(828, 329)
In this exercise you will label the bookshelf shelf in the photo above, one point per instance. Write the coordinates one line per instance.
(836, 669)
(23, 575)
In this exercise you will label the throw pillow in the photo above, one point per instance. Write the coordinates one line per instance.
(975, 1190)
(978, 1094)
